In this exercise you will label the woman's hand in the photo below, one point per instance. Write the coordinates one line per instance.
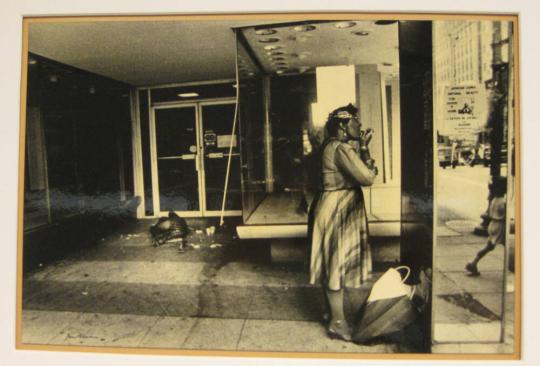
(365, 137)
(371, 165)
(364, 140)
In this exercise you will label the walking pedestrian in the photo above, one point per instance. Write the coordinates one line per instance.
(497, 224)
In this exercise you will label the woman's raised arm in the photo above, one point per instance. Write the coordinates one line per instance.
(348, 161)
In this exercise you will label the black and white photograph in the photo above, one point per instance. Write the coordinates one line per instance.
(287, 185)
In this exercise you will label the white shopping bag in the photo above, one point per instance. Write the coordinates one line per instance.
(391, 285)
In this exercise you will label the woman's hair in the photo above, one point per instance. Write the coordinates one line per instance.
(338, 117)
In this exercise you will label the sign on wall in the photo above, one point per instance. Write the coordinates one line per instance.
(465, 109)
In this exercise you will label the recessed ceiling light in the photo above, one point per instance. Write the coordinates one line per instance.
(385, 22)
(280, 72)
(342, 25)
(265, 32)
(302, 38)
(275, 53)
(188, 95)
(304, 28)
(272, 47)
(361, 33)
(269, 40)
(32, 61)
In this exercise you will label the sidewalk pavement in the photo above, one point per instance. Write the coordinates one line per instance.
(224, 294)
(221, 294)
(468, 318)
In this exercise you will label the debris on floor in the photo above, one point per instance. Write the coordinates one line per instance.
(168, 228)
(175, 240)
(211, 230)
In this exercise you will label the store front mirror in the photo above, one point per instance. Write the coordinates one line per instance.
(291, 77)
(474, 182)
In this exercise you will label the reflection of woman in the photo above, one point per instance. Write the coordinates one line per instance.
(340, 254)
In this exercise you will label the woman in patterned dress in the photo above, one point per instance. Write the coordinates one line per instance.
(340, 253)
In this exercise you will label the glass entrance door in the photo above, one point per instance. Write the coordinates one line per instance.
(190, 152)
(216, 130)
(175, 170)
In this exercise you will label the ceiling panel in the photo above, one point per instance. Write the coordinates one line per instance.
(301, 47)
(143, 53)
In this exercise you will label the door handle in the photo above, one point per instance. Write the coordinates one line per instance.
(218, 155)
(188, 156)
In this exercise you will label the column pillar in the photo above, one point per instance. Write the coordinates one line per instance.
(371, 90)
(268, 155)
(396, 132)
(136, 148)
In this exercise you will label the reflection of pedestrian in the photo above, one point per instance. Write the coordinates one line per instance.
(454, 154)
(340, 253)
(496, 226)
(481, 151)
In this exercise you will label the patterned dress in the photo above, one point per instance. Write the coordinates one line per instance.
(340, 252)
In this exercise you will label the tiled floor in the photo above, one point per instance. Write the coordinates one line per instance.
(120, 330)
(468, 318)
(125, 293)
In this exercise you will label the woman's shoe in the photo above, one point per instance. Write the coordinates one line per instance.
(472, 269)
(338, 329)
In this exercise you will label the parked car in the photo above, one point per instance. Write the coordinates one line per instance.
(444, 154)
(468, 155)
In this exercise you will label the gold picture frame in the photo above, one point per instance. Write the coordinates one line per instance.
(28, 21)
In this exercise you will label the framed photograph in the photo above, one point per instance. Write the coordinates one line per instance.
(341, 184)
